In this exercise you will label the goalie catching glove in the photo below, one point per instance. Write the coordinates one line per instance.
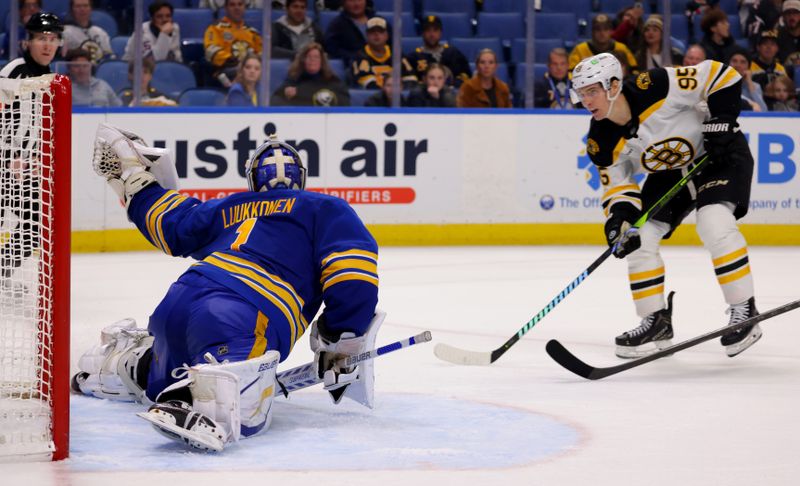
(125, 161)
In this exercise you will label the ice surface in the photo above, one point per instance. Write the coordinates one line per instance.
(698, 417)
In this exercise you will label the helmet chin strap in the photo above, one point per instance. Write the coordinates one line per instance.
(611, 100)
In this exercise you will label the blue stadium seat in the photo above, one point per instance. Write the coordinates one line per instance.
(388, 5)
(278, 70)
(3, 54)
(359, 96)
(58, 7)
(202, 97)
(253, 16)
(519, 78)
(614, 6)
(465, 6)
(172, 78)
(502, 72)
(580, 7)
(471, 46)
(556, 26)
(192, 49)
(518, 6)
(736, 26)
(193, 22)
(502, 25)
(115, 73)
(410, 43)
(105, 21)
(339, 68)
(118, 44)
(730, 7)
(542, 48)
(325, 18)
(409, 26)
(454, 24)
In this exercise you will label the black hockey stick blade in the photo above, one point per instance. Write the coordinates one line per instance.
(566, 359)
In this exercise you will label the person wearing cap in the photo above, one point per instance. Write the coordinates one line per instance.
(434, 51)
(649, 55)
(765, 65)
(347, 32)
(752, 95)
(717, 40)
(43, 39)
(601, 41)
(789, 34)
(375, 58)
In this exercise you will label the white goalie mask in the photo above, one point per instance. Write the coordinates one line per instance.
(602, 68)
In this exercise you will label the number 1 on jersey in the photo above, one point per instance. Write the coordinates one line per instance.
(243, 232)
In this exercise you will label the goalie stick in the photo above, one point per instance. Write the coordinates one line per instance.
(456, 355)
(304, 376)
(562, 356)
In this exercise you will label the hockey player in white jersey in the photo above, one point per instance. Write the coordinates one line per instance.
(658, 125)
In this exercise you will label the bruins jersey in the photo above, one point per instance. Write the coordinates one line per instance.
(369, 68)
(668, 108)
(227, 42)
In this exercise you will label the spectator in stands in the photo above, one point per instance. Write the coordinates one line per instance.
(697, 9)
(780, 95)
(765, 65)
(161, 37)
(695, 54)
(789, 35)
(26, 9)
(244, 90)
(80, 33)
(484, 89)
(717, 40)
(649, 56)
(86, 89)
(434, 92)
(294, 30)
(149, 95)
(376, 57)
(630, 27)
(228, 42)
(601, 42)
(338, 4)
(552, 90)
(347, 33)
(311, 81)
(215, 5)
(757, 16)
(383, 98)
(434, 51)
(752, 96)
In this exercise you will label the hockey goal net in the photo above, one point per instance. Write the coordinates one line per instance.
(35, 126)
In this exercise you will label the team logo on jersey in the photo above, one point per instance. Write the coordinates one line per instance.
(668, 154)
(324, 97)
(643, 81)
(592, 147)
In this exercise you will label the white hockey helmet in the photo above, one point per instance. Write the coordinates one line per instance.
(601, 68)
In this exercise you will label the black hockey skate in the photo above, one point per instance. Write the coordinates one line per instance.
(737, 341)
(654, 333)
(177, 420)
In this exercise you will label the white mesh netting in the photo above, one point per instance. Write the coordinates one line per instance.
(26, 216)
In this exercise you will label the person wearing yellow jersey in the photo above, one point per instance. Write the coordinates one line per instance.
(601, 42)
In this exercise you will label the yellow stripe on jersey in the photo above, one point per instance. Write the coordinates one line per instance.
(635, 201)
(712, 75)
(731, 277)
(348, 253)
(617, 149)
(650, 110)
(730, 257)
(341, 277)
(349, 265)
(260, 346)
(268, 285)
(727, 78)
(648, 292)
(345, 263)
(155, 216)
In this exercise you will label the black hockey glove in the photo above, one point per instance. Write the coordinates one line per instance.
(718, 135)
(621, 236)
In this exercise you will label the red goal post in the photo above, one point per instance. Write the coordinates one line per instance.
(35, 202)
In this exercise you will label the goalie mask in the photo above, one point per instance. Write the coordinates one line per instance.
(275, 165)
(602, 68)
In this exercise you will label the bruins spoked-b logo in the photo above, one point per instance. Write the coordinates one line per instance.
(668, 154)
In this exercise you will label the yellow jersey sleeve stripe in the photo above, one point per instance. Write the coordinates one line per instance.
(730, 257)
(617, 149)
(712, 74)
(350, 253)
(635, 277)
(734, 276)
(159, 223)
(348, 263)
(648, 293)
(728, 78)
(650, 110)
(260, 346)
(348, 276)
(152, 216)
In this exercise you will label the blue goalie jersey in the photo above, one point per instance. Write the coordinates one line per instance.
(285, 251)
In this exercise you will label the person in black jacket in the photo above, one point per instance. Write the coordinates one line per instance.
(434, 51)
(434, 92)
(347, 33)
(311, 82)
(294, 30)
(717, 41)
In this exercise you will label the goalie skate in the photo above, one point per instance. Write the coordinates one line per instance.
(177, 421)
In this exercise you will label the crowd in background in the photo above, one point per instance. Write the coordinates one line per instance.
(339, 52)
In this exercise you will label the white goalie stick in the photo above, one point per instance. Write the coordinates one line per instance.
(304, 376)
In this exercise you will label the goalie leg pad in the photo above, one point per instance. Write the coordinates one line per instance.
(356, 383)
(111, 369)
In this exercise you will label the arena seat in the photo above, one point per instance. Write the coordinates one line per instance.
(519, 78)
(202, 97)
(359, 96)
(503, 25)
(409, 25)
(465, 6)
(172, 78)
(556, 26)
(118, 44)
(193, 21)
(115, 73)
(454, 24)
(105, 21)
(542, 49)
(388, 5)
(502, 72)
(470, 46)
(278, 71)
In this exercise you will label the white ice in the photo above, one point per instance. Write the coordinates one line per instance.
(698, 417)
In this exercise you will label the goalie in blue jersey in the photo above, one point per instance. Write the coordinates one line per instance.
(266, 261)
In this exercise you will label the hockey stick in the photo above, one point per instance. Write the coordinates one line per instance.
(562, 356)
(462, 356)
(304, 376)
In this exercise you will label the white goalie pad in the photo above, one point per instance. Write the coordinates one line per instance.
(237, 396)
(109, 369)
(356, 383)
(120, 154)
